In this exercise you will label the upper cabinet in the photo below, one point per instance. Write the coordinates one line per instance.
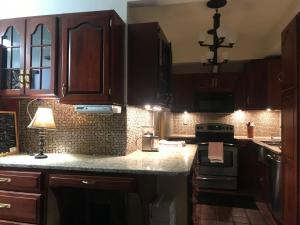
(89, 47)
(289, 55)
(28, 70)
(149, 65)
(262, 82)
(185, 87)
(92, 69)
(256, 85)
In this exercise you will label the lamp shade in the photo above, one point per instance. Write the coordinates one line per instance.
(43, 119)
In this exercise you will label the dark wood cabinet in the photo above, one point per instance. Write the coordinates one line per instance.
(290, 153)
(18, 207)
(182, 91)
(262, 84)
(92, 46)
(28, 70)
(186, 86)
(274, 84)
(290, 122)
(256, 85)
(10, 77)
(149, 65)
(289, 49)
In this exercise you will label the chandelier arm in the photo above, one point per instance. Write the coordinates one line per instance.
(204, 45)
(226, 46)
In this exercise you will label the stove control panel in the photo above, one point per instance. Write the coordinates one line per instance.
(214, 128)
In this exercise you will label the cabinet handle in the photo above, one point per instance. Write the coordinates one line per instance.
(279, 77)
(5, 180)
(213, 82)
(248, 100)
(63, 90)
(21, 80)
(88, 182)
(5, 206)
(27, 78)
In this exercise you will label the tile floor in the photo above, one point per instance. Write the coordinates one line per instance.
(219, 215)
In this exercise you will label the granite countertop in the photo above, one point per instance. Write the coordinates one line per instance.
(182, 136)
(258, 140)
(168, 161)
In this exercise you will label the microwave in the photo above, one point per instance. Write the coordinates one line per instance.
(216, 102)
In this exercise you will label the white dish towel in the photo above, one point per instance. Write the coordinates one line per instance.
(216, 152)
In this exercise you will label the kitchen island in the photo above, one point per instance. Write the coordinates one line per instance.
(52, 183)
(168, 161)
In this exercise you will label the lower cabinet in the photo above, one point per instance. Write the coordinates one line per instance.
(20, 207)
(20, 198)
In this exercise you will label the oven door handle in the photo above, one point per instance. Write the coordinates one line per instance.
(202, 178)
(225, 144)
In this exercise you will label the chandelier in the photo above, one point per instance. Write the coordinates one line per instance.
(218, 38)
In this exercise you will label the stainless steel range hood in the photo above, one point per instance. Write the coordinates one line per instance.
(102, 109)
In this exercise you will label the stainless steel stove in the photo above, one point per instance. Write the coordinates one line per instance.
(211, 174)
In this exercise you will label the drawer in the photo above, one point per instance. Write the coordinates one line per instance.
(19, 207)
(4, 222)
(20, 181)
(93, 182)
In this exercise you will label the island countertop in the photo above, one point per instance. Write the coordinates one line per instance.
(168, 161)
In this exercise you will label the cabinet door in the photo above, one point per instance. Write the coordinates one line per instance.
(256, 84)
(204, 82)
(274, 94)
(240, 92)
(183, 93)
(12, 37)
(290, 157)
(85, 65)
(289, 50)
(40, 73)
(226, 81)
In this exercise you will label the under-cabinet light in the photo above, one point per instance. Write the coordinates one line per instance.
(148, 107)
(156, 108)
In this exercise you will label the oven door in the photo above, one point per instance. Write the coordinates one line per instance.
(227, 168)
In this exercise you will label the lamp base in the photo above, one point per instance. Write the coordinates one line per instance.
(216, 4)
(40, 156)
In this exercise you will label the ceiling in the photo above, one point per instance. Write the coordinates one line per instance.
(257, 24)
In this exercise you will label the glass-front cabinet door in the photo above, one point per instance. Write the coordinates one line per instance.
(40, 56)
(12, 57)
(28, 70)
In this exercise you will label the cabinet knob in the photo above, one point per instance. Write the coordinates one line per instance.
(279, 76)
(5, 180)
(63, 90)
(88, 182)
(5, 206)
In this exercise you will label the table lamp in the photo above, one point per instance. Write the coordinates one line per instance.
(43, 120)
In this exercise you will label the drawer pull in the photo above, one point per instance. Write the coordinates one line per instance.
(88, 182)
(5, 180)
(5, 206)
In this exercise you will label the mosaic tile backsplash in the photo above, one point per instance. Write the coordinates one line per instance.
(85, 133)
(266, 123)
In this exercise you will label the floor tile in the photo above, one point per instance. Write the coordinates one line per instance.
(257, 220)
(224, 223)
(208, 222)
(239, 212)
(219, 215)
(240, 219)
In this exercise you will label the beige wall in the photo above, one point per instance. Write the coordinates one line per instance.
(257, 25)
(274, 38)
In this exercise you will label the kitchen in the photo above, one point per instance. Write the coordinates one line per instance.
(99, 151)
